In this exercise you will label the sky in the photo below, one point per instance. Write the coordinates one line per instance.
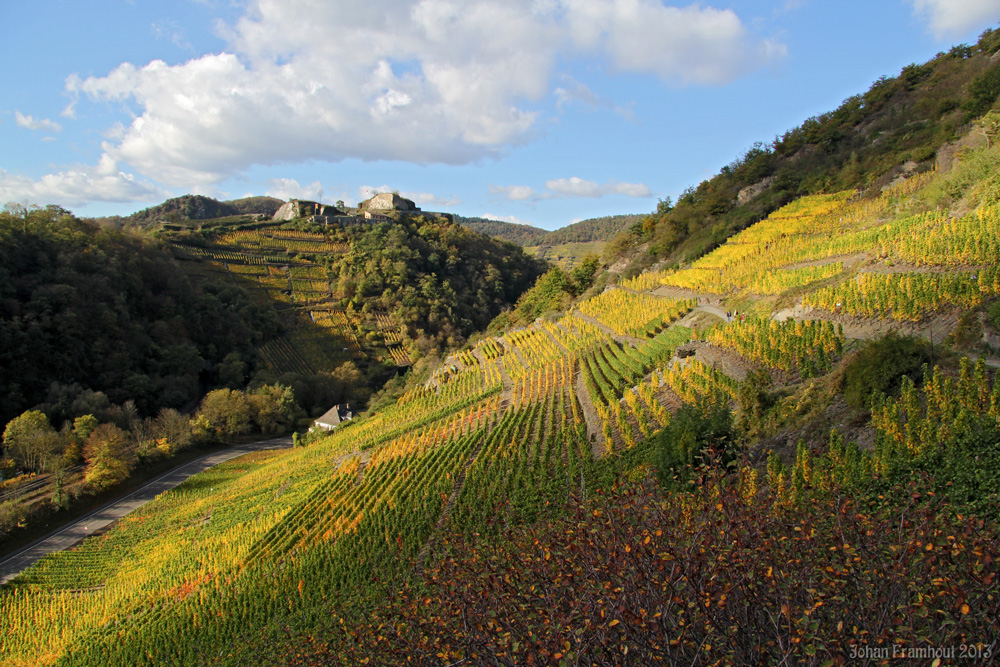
(543, 112)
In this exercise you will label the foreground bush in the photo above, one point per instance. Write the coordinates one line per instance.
(724, 577)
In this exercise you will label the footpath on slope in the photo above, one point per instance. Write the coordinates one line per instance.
(76, 531)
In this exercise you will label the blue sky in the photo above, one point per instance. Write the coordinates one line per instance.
(536, 111)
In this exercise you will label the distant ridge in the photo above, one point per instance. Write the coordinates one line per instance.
(197, 207)
(585, 231)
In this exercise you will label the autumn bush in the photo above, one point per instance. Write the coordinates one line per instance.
(725, 576)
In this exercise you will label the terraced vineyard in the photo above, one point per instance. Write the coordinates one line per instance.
(273, 550)
(271, 265)
(465, 451)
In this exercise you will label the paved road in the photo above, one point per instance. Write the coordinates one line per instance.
(73, 533)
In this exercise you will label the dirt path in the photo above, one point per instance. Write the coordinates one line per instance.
(680, 293)
(848, 260)
(730, 363)
(425, 551)
(935, 330)
(75, 532)
(510, 348)
(590, 417)
(555, 341)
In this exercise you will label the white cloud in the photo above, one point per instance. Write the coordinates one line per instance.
(575, 92)
(171, 31)
(429, 199)
(578, 187)
(80, 185)
(953, 18)
(506, 218)
(289, 188)
(514, 192)
(31, 123)
(424, 81)
(686, 44)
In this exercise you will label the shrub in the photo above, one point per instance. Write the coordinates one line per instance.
(682, 446)
(880, 366)
(109, 455)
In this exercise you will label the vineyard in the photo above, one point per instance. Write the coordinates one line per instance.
(490, 441)
(276, 549)
(279, 266)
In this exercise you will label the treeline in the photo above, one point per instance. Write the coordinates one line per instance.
(552, 292)
(508, 231)
(195, 207)
(90, 318)
(92, 453)
(441, 281)
(592, 229)
(585, 231)
(861, 144)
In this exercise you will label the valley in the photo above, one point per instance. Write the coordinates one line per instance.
(273, 549)
(759, 425)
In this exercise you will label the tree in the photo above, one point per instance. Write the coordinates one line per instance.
(30, 440)
(173, 428)
(225, 412)
(274, 408)
(680, 448)
(583, 275)
(109, 455)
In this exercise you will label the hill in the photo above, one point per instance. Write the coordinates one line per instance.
(91, 317)
(196, 207)
(527, 458)
(585, 231)
(507, 231)
(901, 123)
(722, 461)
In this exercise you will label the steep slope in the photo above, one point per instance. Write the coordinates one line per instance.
(505, 512)
(358, 302)
(90, 316)
(900, 123)
(367, 543)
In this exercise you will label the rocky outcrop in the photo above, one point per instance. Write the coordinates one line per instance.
(751, 191)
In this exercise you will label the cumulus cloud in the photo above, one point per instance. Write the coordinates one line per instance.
(514, 192)
(953, 18)
(80, 185)
(289, 188)
(572, 187)
(430, 199)
(31, 123)
(578, 187)
(424, 81)
(690, 44)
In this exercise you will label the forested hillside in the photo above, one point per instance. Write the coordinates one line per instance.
(592, 229)
(584, 231)
(196, 207)
(508, 231)
(902, 122)
(87, 311)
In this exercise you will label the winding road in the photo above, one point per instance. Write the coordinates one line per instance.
(73, 533)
